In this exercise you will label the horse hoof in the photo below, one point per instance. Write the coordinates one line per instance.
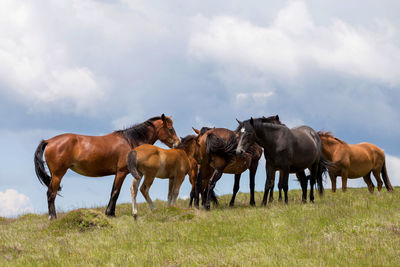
(252, 203)
(52, 217)
(231, 204)
(135, 216)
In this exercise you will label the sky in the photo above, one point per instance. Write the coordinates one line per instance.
(92, 67)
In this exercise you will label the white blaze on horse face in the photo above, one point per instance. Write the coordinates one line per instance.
(242, 130)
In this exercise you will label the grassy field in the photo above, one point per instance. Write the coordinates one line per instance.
(346, 229)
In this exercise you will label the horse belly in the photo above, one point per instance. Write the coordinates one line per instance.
(93, 169)
(164, 167)
(360, 163)
(238, 165)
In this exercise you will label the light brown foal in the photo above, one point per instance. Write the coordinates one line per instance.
(151, 161)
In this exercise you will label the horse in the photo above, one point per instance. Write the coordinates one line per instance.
(354, 161)
(285, 150)
(97, 156)
(217, 153)
(152, 161)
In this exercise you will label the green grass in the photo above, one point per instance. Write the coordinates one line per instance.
(346, 229)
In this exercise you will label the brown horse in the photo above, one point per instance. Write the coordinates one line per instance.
(218, 156)
(354, 161)
(97, 155)
(152, 161)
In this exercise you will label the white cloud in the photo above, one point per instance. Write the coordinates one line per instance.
(293, 43)
(38, 68)
(259, 98)
(393, 168)
(13, 203)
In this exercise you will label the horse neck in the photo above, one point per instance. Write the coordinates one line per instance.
(189, 150)
(267, 141)
(329, 146)
(153, 129)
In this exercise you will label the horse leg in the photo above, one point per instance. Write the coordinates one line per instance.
(52, 191)
(214, 198)
(368, 181)
(199, 186)
(192, 179)
(271, 186)
(286, 185)
(216, 176)
(313, 178)
(134, 189)
(171, 181)
(252, 172)
(303, 182)
(344, 181)
(148, 181)
(270, 176)
(280, 186)
(333, 181)
(119, 179)
(235, 189)
(178, 180)
(379, 182)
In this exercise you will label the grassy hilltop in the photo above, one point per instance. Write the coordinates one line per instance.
(353, 228)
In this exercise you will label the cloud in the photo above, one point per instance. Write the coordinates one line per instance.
(37, 69)
(293, 43)
(393, 168)
(13, 203)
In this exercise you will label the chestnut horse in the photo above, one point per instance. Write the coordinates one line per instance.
(152, 161)
(354, 161)
(97, 155)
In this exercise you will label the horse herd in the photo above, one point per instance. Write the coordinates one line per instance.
(205, 156)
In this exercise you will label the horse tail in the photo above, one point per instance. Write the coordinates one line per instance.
(40, 170)
(386, 177)
(323, 166)
(217, 145)
(132, 164)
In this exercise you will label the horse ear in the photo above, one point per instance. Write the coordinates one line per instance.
(240, 123)
(277, 117)
(251, 121)
(163, 117)
(195, 130)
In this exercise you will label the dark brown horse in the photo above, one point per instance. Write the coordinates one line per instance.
(218, 156)
(97, 156)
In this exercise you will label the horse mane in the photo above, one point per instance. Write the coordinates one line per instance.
(219, 146)
(270, 120)
(330, 135)
(203, 130)
(186, 140)
(138, 132)
(258, 121)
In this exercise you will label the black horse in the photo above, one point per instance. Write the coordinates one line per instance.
(285, 150)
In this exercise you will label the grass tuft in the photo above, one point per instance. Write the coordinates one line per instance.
(82, 220)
